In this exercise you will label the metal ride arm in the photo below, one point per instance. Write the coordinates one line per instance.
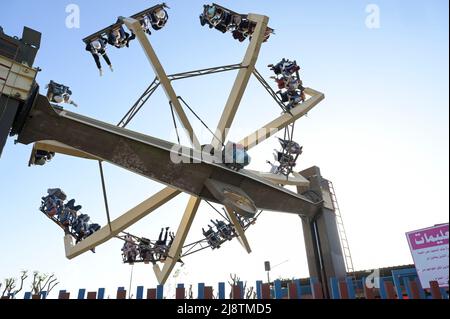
(180, 237)
(225, 122)
(135, 26)
(239, 230)
(284, 120)
(119, 224)
(152, 158)
(242, 79)
(296, 179)
(57, 147)
(188, 217)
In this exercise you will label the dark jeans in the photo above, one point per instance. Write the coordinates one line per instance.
(97, 60)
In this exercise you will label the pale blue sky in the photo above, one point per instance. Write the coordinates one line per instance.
(381, 134)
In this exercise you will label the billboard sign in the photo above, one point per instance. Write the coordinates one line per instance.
(429, 249)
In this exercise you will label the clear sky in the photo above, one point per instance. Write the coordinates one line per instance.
(381, 134)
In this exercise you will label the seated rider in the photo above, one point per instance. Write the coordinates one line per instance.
(146, 251)
(238, 35)
(277, 68)
(159, 18)
(287, 162)
(161, 241)
(206, 15)
(80, 226)
(129, 250)
(210, 13)
(57, 192)
(92, 228)
(225, 231)
(290, 68)
(295, 98)
(235, 156)
(291, 147)
(244, 221)
(67, 216)
(42, 157)
(281, 82)
(223, 21)
(285, 67)
(268, 33)
(119, 38)
(146, 24)
(71, 204)
(97, 48)
(284, 158)
(52, 204)
(212, 238)
(293, 83)
(59, 93)
(161, 244)
(234, 22)
(273, 167)
(172, 238)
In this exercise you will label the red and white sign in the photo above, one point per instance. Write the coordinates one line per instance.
(429, 249)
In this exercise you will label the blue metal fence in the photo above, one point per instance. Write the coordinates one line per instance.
(402, 284)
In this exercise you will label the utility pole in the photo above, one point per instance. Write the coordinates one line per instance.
(131, 279)
(268, 268)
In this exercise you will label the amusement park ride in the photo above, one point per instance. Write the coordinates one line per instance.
(243, 193)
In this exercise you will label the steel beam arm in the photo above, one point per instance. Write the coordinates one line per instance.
(296, 179)
(284, 120)
(239, 230)
(135, 26)
(225, 122)
(242, 79)
(153, 158)
(180, 237)
(119, 224)
(57, 147)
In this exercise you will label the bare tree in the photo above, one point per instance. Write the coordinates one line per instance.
(22, 279)
(10, 284)
(190, 293)
(42, 282)
(250, 293)
(234, 282)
